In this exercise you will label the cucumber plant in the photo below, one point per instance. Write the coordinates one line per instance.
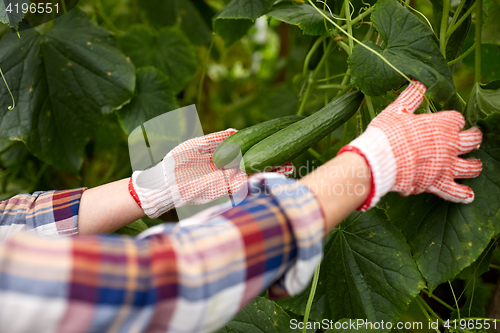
(81, 83)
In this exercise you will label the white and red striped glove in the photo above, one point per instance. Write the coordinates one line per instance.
(411, 154)
(187, 175)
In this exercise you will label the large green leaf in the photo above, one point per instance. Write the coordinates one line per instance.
(260, 315)
(411, 47)
(369, 268)
(483, 100)
(237, 17)
(303, 15)
(446, 237)
(62, 81)
(169, 50)
(13, 16)
(153, 96)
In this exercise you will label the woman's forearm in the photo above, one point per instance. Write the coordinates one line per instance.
(107, 208)
(341, 185)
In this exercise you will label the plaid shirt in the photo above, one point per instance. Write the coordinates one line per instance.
(192, 277)
(52, 213)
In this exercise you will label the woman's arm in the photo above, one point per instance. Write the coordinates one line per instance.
(103, 209)
(341, 185)
(107, 208)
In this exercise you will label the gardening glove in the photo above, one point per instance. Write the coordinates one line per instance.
(187, 175)
(411, 154)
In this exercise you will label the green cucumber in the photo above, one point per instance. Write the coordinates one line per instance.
(295, 139)
(226, 153)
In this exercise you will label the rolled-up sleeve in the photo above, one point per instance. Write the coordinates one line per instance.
(50, 213)
(173, 278)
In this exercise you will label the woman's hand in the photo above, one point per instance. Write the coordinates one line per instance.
(411, 154)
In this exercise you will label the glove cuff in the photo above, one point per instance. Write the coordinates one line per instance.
(374, 146)
(150, 191)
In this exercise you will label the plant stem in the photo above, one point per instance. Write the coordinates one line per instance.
(454, 27)
(343, 91)
(369, 34)
(495, 266)
(327, 72)
(479, 23)
(204, 72)
(315, 154)
(465, 54)
(312, 76)
(424, 311)
(344, 135)
(10, 108)
(472, 294)
(359, 17)
(305, 97)
(324, 21)
(461, 99)
(347, 10)
(63, 6)
(330, 86)
(331, 77)
(439, 300)
(344, 46)
(455, 298)
(427, 306)
(327, 75)
(311, 52)
(444, 26)
(311, 297)
(328, 146)
(457, 13)
(369, 105)
(407, 5)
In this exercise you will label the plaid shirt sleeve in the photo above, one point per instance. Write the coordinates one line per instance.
(51, 213)
(191, 278)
